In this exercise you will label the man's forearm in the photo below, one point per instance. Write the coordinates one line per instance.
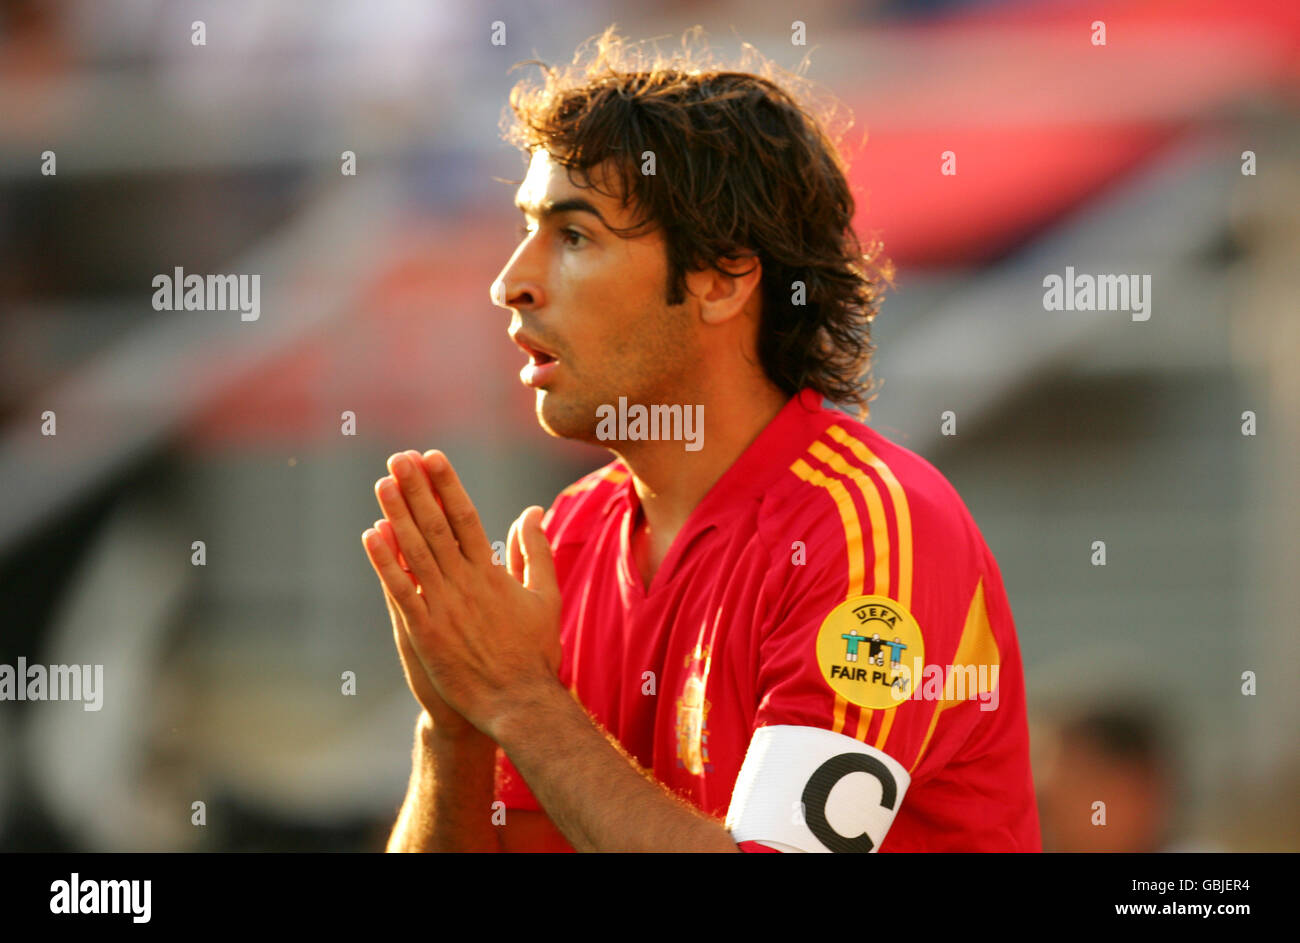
(448, 804)
(592, 790)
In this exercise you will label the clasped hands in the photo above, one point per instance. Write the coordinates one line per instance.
(477, 638)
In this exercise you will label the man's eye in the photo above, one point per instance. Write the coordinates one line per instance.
(525, 232)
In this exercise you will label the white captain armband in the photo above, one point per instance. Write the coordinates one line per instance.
(809, 789)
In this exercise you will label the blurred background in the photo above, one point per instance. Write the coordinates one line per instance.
(224, 682)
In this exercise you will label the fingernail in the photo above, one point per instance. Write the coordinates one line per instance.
(401, 465)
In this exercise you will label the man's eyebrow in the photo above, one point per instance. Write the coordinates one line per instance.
(551, 208)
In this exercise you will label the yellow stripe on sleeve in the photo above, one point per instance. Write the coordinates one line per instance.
(875, 513)
(879, 535)
(902, 516)
(853, 545)
(848, 517)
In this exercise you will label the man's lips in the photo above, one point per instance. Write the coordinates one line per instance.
(541, 362)
(536, 351)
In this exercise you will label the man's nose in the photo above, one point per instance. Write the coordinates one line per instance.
(514, 288)
(517, 284)
(507, 292)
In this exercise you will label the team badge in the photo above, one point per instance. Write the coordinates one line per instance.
(692, 741)
(866, 650)
(693, 716)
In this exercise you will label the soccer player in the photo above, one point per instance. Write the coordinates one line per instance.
(661, 664)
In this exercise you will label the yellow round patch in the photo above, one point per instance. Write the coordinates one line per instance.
(870, 651)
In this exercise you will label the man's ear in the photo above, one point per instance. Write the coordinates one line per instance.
(724, 296)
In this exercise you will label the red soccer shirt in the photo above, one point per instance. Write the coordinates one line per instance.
(826, 655)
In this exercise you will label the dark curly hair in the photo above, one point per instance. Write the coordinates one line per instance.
(750, 171)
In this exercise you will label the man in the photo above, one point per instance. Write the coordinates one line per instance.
(661, 665)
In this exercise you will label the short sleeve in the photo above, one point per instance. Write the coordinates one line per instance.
(836, 727)
(862, 700)
(808, 783)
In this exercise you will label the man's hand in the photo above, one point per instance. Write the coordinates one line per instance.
(445, 721)
(487, 640)
(486, 636)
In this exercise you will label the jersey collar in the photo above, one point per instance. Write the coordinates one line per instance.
(773, 450)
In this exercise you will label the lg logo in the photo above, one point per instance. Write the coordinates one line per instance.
(818, 791)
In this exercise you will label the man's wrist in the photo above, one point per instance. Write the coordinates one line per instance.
(450, 795)
(513, 722)
(460, 739)
(594, 792)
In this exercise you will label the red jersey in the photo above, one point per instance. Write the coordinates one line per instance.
(826, 658)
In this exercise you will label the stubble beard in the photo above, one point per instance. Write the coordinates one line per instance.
(665, 367)
(567, 417)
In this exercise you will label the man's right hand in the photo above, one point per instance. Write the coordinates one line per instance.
(445, 721)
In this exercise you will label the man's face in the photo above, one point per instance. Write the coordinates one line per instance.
(589, 306)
